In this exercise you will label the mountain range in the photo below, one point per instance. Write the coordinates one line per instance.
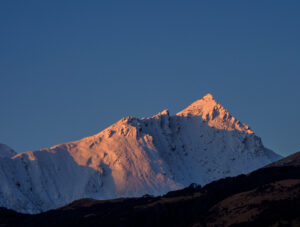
(133, 157)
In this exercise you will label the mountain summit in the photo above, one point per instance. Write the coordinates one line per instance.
(134, 157)
(202, 106)
(214, 114)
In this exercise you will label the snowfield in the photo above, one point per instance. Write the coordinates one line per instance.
(133, 157)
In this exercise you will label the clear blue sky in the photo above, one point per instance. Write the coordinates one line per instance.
(69, 69)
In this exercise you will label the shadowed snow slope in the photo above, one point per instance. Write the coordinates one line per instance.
(134, 157)
(6, 151)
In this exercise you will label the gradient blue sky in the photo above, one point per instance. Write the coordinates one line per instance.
(69, 69)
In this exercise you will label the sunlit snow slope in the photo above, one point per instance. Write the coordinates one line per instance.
(134, 157)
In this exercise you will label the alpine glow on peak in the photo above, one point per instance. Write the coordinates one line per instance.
(134, 157)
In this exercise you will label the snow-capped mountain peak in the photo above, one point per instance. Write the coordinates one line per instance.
(133, 157)
(207, 107)
(214, 114)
